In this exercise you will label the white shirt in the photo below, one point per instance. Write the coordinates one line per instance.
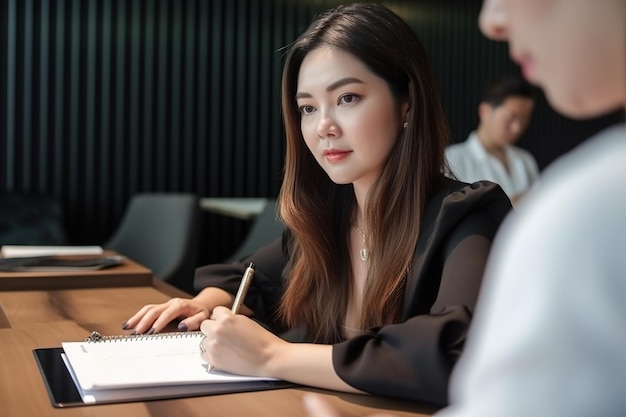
(549, 335)
(470, 162)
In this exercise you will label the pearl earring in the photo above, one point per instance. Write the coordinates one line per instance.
(404, 125)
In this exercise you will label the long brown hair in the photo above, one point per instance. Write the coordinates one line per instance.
(318, 213)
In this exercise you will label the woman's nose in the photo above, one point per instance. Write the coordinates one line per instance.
(493, 20)
(327, 127)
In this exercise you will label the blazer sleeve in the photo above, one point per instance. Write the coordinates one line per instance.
(413, 359)
(266, 288)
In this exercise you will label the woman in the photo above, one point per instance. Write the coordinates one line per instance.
(548, 338)
(383, 257)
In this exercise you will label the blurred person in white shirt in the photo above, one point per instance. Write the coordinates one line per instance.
(489, 152)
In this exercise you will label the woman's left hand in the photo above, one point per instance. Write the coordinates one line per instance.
(237, 344)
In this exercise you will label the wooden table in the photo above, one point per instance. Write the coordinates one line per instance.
(128, 274)
(46, 318)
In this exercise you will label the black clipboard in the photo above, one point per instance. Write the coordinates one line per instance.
(63, 392)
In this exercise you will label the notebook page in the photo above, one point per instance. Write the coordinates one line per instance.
(97, 396)
(143, 362)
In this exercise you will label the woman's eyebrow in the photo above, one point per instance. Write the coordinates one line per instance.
(344, 81)
(337, 84)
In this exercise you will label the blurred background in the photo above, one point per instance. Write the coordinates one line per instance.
(103, 99)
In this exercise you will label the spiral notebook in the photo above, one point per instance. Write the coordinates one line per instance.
(139, 368)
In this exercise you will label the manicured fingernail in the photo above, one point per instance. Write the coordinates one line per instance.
(151, 331)
(125, 326)
(182, 327)
(134, 332)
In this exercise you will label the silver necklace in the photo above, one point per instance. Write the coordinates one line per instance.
(364, 252)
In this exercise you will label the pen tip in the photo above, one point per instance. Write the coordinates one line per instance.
(251, 265)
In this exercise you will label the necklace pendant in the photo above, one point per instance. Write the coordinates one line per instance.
(365, 254)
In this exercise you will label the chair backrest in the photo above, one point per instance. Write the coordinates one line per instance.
(31, 219)
(161, 232)
(265, 229)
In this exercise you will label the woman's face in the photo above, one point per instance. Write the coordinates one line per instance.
(574, 49)
(349, 119)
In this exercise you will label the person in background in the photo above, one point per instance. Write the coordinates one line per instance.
(548, 336)
(383, 256)
(489, 153)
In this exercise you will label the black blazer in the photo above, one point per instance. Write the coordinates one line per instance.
(411, 359)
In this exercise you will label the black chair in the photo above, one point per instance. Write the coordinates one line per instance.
(31, 219)
(265, 229)
(161, 232)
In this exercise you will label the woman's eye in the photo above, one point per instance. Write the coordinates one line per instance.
(348, 99)
(306, 109)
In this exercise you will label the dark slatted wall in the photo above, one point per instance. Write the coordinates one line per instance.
(104, 98)
(100, 99)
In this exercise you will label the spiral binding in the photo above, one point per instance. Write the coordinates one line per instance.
(95, 337)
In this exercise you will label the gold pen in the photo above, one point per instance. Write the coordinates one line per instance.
(243, 288)
(241, 294)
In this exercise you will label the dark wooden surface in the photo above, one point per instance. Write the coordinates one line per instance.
(128, 274)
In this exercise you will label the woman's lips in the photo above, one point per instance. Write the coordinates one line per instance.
(335, 155)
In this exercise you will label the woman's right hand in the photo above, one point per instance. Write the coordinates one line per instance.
(152, 318)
